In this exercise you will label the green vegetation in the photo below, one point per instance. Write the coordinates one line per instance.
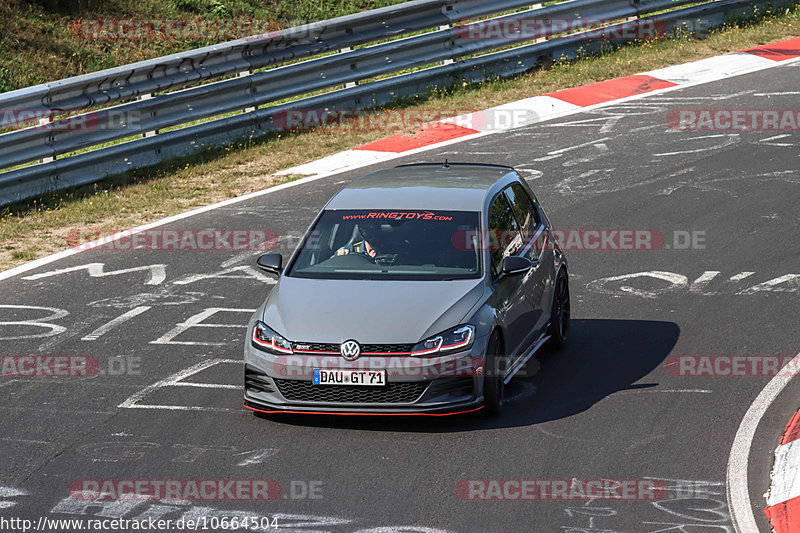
(42, 40)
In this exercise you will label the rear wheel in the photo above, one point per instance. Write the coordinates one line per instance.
(493, 387)
(560, 313)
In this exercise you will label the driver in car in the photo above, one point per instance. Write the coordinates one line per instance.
(369, 246)
(360, 247)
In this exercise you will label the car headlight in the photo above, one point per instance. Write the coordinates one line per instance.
(457, 339)
(266, 339)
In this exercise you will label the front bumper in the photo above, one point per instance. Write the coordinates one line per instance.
(453, 409)
(415, 386)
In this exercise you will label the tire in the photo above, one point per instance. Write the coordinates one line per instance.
(560, 312)
(493, 386)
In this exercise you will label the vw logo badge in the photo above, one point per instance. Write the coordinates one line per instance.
(350, 350)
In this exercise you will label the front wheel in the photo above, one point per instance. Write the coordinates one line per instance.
(559, 314)
(494, 388)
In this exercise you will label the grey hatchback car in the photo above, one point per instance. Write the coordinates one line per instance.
(421, 289)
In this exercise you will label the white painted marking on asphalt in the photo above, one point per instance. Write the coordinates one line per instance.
(730, 139)
(602, 148)
(256, 456)
(772, 285)
(196, 321)
(740, 276)
(236, 259)
(8, 492)
(787, 283)
(108, 326)
(558, 153)
(608, 122)
(26, 441)
(738, 490)
(158, 272)
(404, 529)
(768, 141)
(705, 278)
(205, 385)
(246, 272)
(784, 93)
(75, 329)
(676, 281)
(184, 408)
(55, 329)
(133, 400)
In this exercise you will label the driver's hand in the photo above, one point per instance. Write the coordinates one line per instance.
(342, 251)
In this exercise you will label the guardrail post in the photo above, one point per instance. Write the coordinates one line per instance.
(244, 74)
(43, 123)
(353, 66)
(540, 39)
(449, 60)
(147, 133)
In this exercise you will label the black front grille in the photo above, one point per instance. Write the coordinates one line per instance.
(315, 347)
(257, 381)
(301, 347)
(305, 391)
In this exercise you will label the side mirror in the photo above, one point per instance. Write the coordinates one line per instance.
(272, 263)
(515, 264)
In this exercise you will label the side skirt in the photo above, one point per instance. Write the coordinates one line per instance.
(519, 363)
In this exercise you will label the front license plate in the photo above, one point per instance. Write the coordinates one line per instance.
(368, 378)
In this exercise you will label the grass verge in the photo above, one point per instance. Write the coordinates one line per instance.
(39, 227)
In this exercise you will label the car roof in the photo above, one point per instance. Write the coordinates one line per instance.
(449, 186)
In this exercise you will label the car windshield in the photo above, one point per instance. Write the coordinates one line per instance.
(385, 244)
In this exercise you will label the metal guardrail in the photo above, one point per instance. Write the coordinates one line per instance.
(459, 58)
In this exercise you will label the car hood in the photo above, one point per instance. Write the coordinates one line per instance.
(390, 312)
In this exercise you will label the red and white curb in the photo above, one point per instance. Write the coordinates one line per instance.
(783, 498)
(552, 105)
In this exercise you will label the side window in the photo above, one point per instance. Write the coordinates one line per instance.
(504, 237)
(524, 210)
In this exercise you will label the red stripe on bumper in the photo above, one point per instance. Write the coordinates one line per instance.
(362, 414)
(604, 91)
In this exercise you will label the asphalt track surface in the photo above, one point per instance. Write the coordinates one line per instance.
(607, 407)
